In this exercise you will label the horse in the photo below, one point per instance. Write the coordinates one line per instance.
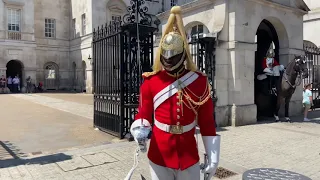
(285, 85)
(289, 79)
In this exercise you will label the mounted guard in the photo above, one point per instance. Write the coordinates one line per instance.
(175, 98)
(271, 69)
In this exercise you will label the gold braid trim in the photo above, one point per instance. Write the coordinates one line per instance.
(147, 74)
(206, 94)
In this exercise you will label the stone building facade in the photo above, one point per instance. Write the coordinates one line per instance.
(50, 41)
(239, 26)
(311, 23)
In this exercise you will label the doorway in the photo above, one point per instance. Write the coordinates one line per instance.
(15, 68)
(265, 36)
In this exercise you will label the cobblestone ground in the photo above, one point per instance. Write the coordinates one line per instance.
(289, 146)
(27, 127)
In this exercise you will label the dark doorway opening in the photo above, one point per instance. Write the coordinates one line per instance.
(14, 68)
(265, 36)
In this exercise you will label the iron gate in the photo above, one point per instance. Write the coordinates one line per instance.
(203, 53)
(313, 61)
(118, 67)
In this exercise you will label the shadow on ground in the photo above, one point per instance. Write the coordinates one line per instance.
(314, 116)
(10, 155)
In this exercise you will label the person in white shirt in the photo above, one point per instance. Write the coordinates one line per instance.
(307, 100)
(16, 82)
(10, 83)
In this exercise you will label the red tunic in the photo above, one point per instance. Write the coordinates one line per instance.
(264, 63)
(176, 151)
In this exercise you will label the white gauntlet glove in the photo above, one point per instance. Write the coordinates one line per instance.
(140, 130)
(212, 147)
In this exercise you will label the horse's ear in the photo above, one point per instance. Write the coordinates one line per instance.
(295, 56)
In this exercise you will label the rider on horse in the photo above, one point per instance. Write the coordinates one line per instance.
(271, 69)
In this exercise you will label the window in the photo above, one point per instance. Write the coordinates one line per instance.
(83, 17)
(50, 72)
(173, 3)
(74, 32)
(14, 19)
(197, 31)
(116, 18)
(50, 28)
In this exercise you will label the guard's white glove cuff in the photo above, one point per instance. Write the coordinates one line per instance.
(212, 147)
(140, 130)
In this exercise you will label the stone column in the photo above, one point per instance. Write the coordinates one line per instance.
(241, 83)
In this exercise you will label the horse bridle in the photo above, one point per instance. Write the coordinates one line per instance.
(299, 76)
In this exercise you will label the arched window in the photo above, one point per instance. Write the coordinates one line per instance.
(196, 32)
(51, 71)
(51, 75)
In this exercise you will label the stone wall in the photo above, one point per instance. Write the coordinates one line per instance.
(52, 50)
(236, 23)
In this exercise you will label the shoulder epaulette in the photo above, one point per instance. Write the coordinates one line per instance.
(149, 74)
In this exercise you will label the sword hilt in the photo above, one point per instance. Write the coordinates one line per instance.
(203, 166)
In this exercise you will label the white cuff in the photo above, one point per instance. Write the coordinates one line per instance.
(139, 122)
(267, 70)
(212, 147)
(281, 67)
(276, 70)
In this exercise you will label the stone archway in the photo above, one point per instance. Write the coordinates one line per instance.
(15, 68)
(266, 35)
(51, 79)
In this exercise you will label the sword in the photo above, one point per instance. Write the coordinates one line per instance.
(203, 166)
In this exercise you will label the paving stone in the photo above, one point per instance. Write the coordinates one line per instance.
(288, 146)
(99, 158)
(73, 164)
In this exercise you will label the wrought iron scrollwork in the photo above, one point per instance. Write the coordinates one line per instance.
(143, 17)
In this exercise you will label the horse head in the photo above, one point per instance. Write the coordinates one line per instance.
(300, 67)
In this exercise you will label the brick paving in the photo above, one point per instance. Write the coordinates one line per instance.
(289, 146)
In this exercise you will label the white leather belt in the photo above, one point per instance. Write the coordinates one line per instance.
(174, 129)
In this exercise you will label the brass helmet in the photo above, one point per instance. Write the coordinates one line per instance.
(270, 52)
(172, 44)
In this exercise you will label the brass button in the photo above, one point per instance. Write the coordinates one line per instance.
(178, 123)
(178, 110)
(178, 97)
(178, 103)
(178, 117)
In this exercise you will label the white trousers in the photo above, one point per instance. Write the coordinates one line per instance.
(163, 173)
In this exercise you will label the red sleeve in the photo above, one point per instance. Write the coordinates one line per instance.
(264, 63)
(275, 62)
(206, 119)
(145, 109)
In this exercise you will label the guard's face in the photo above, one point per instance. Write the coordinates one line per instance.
(173, 63)
(270, 54)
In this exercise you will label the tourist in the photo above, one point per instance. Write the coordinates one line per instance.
(3, 83)
(29, 84)
(16, 82)
(307, 100)
(10, 83)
